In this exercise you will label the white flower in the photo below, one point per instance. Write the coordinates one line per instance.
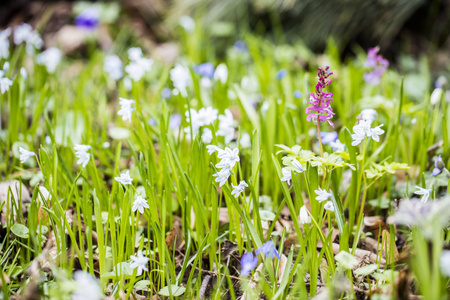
(445, 263)
(4, 43)
(139, 262)
(337, 146)
(112, 65)
(304, 217)
(206, 83)
(50, 58)
(369, 114)
(232, 156)
(81, 152)
(187, 23)
(106, 145)
(322, 195)
(25, 154)
(329, 206)
(226, 126)
(362, 129)
(436, 96)
(24, 73)
(88, 287)
(212, 149)
(5, 83)
(181, 78)
(207, 136)
(424, 192)
(287, 175)
(139, 204)
(205, 116)
(221, 73)
(22, 33)
(124, 178)
(297, 166)
(135, 53)
(238, 189)
(374, 133)
(222, 176)
(138, 65)
(44, 194)
(245, 141)
(125, 108)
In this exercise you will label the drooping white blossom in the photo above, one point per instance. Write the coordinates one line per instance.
(304, 217)
(25, 154)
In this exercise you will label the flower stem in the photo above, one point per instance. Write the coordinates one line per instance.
(320, 139)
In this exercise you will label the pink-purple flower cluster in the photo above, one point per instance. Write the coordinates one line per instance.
(378, 65)
(319, 101)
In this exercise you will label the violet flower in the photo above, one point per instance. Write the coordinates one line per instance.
(248, 263)
(319, 101)
(378, 65)
(328, 137)
(268, 249)
(205, 70)
(281, 74)
(240, 46)
(297, 94)
(438, 166)
(88, 18)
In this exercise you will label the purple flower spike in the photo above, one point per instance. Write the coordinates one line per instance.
(438, 166)
(248, 263)
(205, 70)
(88, 19)
(268, 249)
(377, 63)
(320, 109)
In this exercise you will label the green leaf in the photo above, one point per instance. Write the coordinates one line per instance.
(141, 284)
(346, 260)
(20, 230)
(175, 291)
(266, 215)
(366, 270)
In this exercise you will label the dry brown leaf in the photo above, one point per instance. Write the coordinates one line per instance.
(282, 267)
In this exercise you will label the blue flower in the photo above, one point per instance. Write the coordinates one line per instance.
(438, 166)
(175, 121)
(297, 94)
(281, 74)
(268, 249)
(166, 93)
(88, 19)
(248, 263)
(206, 70)
(328, 137)
(240, 46)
